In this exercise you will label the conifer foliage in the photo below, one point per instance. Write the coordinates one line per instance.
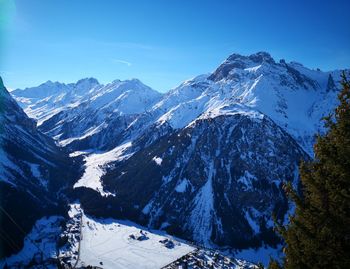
(318, 235)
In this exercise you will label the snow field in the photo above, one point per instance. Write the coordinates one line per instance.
(94, 168)
(108, 241)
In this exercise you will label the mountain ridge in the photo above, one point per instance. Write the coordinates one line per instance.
(206, 160)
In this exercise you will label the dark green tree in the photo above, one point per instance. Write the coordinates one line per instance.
(318, 235)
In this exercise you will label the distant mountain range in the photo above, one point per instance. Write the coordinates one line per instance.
(293, 96)
(205, 161)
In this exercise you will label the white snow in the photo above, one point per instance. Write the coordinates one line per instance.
(259, 89)
(247, 179)
(108, 241)
(85, 133)
(78, 153)
(86, 105)
(255, 90)
(35, 169)
(50, 98)
(157, 160)
(94, 167)
(147, 208)
(44, 234)
(253, 69)
(201, 215)
(181, 187)
(125, 97)
(253, 224)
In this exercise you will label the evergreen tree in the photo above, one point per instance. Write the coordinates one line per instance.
(274, 265)
(330, 83)
(318, 235)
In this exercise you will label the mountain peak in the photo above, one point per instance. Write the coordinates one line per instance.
(240, 62)
(258, 57)
(135, 80)
(85, 85)
(261, 57)
(2, 93)
(43, 88)
(134, 83)
(1, 83)
(50, 83)
(90, 80)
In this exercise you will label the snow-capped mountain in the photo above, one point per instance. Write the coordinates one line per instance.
(33, 173)
(91, 120)
(209, 159)
(49, 98)
(215, 181)
(206, 160)
(295, 97)
(77, 113)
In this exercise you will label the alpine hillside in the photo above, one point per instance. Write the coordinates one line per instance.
(34, 174)
(205, 161)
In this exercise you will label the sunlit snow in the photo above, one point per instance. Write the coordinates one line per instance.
(94, 170)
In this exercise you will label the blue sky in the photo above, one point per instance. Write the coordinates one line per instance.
(162, 42)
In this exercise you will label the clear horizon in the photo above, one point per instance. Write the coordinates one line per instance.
(162, 43)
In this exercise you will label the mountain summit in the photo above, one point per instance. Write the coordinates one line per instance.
(205, 161)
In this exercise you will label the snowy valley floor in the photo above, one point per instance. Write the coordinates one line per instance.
(114, 244)
(109, 244)
(117, 244)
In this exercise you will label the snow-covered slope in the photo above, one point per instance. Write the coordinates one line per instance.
(216, 181)
(99, 119)
(94, 167)
(255, 119)
(49, 98)
(39, 246)
(33, 172)
(295, 97)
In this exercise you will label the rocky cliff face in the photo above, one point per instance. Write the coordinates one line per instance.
(34, 173)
